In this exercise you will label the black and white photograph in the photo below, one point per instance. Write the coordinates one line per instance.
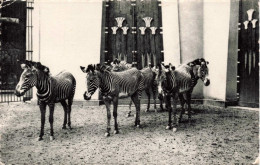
(165, 82)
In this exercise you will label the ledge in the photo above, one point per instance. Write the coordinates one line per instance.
(219, 103)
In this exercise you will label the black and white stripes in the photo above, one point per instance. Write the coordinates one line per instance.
(57, 88)
(50, 90)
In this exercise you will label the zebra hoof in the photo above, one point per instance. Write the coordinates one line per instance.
(39, 138)
(155, 110)
(167, 127)
(128, 115)
(174, 130)
(51, 138)
(116, 132)
(64, 127)
(107, 134)
(137, 126)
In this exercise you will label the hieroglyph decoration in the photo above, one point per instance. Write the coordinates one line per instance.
(250, 13)
(142, 29)
(246, 24)
(153, 30)
(120, 21)
(125, 28)
(147, 21)
(114, 29)
(251, 54)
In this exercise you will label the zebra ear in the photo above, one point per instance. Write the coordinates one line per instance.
(191, 64)
(34, 69)
(162, 67)
(162, 63)
(92, 69)
(24, 66)
(46, 70)
(83, 69)
(98, 67)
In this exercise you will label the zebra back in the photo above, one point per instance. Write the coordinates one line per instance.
(65, 85)
(128, 81)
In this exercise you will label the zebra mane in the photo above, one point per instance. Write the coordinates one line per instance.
(38, 66)
(90, 67)
(198, 61)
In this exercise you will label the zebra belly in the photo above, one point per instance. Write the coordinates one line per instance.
(123, 95)
(183, 90)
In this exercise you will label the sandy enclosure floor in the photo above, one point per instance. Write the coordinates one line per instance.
(216, 136)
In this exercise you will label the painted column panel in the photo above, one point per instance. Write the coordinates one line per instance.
(171, 38)
(216, 36)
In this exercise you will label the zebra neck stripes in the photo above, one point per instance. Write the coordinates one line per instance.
(105, 83)
(43, 87)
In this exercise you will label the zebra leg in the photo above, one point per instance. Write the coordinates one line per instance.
(168, 106)
(64, 105)
(148, 104)
(115, 104)
(107, 103)
(136, 100)
(154, 100)
(130, 110)
(175, 99)
(182, 100)
(160, 97)
(69, 112)
(51, 107)
(43, 112)
(189, 107)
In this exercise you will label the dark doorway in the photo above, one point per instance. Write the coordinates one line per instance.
(15, 45)
(132, 31)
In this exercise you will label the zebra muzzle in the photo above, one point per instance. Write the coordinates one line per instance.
(19, 93)
(86, 96)
(206, 82)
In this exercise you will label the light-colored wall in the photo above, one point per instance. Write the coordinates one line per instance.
(67, 35)
(171, 38)
(191, 35)
(216, 36)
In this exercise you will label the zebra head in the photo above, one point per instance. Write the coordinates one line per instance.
(160, 77)
(201, 70)
(92, 80)
(28, 78)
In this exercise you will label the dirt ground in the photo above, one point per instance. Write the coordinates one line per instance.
(216, 136)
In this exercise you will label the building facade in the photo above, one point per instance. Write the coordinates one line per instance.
(69, 34)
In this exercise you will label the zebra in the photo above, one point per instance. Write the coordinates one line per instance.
(180, 83)
(114, 85)
(50, 90)
(149, 81)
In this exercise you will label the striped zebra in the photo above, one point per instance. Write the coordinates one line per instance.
(149, 81)
(114, 85)
(180, 83)
(50, 90)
